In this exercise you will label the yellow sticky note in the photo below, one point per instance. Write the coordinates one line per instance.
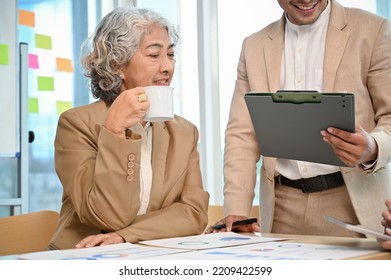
(45, 83)
(64, 64)
(43, 41)
(4, 54)
(26, 18)
(63, 106)
(33, 105)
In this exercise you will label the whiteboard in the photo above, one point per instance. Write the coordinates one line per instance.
(9, 72)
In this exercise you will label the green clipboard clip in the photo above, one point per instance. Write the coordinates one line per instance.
(291, 96)
(297, 97)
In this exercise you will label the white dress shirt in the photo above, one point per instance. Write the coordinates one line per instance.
(145, 165)
(302, 69)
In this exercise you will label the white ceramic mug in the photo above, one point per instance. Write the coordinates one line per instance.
(161, 100)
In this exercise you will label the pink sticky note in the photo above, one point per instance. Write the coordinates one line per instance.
(33, 61)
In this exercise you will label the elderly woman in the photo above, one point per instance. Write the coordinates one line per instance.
(124, 179)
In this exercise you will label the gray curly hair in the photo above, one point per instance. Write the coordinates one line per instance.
(116, 38)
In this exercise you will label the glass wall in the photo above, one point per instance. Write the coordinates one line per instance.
(50, 89)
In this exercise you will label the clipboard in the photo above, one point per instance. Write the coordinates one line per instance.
(357, 228)
(287, 124)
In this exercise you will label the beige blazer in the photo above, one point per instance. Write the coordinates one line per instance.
(358, 60)
(100, 176)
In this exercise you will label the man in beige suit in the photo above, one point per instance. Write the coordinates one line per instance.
(316, 45)
(126, 179)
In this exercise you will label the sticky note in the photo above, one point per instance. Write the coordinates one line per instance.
(33, 61)
(64, 64)
(45, 83)
(43, 41)
(26, 18)
(4, 54)
(62, 106)
(33, 105)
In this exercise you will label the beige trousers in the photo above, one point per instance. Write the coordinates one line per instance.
(296, 212)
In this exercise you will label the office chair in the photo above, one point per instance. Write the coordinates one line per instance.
(27, 232)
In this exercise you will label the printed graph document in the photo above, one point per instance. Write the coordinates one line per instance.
(122, 251)
(274, 251)
(357, 228)
(208, 241)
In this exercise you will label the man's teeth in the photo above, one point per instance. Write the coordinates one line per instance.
(305, 8)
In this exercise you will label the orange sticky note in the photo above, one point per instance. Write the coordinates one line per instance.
(64, 64)
(26, 18)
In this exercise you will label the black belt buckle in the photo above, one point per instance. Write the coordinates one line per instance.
(303, 186)
(315, 184)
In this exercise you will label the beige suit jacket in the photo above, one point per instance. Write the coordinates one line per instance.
(357, 60)
(100, 176)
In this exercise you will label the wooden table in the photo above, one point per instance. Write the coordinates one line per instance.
(364, 243)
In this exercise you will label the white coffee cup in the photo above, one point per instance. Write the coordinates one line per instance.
(161, 100)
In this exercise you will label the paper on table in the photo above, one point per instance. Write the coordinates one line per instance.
(121, 251)
(208, 241)
(274, 251)
(357, 228)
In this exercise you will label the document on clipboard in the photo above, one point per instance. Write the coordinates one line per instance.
(357, 228)
(288, 123)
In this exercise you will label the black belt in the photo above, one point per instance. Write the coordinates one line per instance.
(314, 184)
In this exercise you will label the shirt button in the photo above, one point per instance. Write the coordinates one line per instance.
(129, 178)
(131, 157)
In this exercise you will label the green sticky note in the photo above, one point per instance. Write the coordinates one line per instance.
(62, 106)
(33, 105)
(45, 83)
(43, 41)
(4, 54)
